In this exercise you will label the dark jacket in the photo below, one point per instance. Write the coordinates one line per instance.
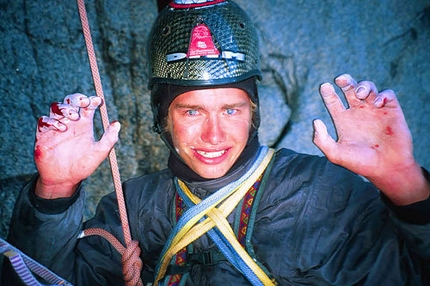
(317, 224)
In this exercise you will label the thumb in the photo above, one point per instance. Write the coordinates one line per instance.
(110, 137)
(322, 139)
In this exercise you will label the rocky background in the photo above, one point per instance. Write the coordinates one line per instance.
(303, 43)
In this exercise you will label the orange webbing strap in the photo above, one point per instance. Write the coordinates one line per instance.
(135, 280)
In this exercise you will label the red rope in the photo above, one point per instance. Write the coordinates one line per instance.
(129, 272)
(131, 262)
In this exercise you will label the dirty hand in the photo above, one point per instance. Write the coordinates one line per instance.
(65, 150)
(373, 139)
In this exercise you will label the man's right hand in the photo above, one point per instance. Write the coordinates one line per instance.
(65, 150)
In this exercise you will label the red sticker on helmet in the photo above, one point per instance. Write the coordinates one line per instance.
(187, 4)
(201, 44)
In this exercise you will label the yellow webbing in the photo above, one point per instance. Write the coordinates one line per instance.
(217, 217)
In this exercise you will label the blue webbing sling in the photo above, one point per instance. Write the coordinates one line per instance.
(27, 268)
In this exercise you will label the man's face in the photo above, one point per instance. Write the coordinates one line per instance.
(210, 128)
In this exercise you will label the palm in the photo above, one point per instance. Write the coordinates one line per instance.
(372, 139)
(65, 150)
(65, 156)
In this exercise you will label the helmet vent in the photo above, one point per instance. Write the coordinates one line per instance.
(166, 31)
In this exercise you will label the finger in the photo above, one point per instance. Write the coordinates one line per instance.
(348, 86)
(110, 137)
(385, 97)
(366, 89)
(60, 111)
(331, 99)
(89, 111)
(95, 102)
(323, 140)
(78, 100)
(47, 123)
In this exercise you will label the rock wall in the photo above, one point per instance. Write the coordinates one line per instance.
(303, 43)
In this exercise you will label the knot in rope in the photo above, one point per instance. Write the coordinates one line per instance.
(132, 264)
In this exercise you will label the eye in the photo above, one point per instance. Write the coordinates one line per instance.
(230, 111)
(192, 112)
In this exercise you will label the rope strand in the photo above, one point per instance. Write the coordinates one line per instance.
(129, 273)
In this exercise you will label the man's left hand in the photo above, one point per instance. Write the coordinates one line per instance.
(373, 139)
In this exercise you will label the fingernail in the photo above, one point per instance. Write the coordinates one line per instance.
(344, 81)
(116, 123)
(341, 77)
(326, 88)
(362, 92)
(379, 101)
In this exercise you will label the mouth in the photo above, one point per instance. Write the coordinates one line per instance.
(211, 155)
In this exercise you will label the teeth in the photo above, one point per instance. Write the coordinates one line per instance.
(211, 154)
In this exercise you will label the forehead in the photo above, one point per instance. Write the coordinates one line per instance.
(212, 97)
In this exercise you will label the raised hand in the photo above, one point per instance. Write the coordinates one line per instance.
(65, 150)
(373, 139)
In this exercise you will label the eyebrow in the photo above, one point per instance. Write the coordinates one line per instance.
(199, 107)
(187, 106)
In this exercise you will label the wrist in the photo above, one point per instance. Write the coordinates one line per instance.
(415, 213)
(51, 206)
(404, 186)
(54, 191)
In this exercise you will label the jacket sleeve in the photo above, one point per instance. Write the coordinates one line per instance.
(51, 238)
(333, 228)
(413, 222)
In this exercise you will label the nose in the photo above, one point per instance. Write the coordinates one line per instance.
(213, 131)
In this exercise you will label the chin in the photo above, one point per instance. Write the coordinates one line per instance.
(212, 174)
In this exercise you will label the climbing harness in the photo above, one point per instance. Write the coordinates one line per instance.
(243, 228)
(27, 268)
(203, 216)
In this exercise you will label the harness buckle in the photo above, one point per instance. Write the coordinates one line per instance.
(211, 257)
(208, 258)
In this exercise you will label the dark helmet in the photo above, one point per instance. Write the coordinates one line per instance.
(196, 44)
(209, 43)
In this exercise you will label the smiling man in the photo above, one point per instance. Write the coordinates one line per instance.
(228, 211)
(210, 129)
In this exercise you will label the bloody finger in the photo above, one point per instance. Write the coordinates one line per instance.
(46, 123)
(77, 100)
(384, 97)
(60, 111)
